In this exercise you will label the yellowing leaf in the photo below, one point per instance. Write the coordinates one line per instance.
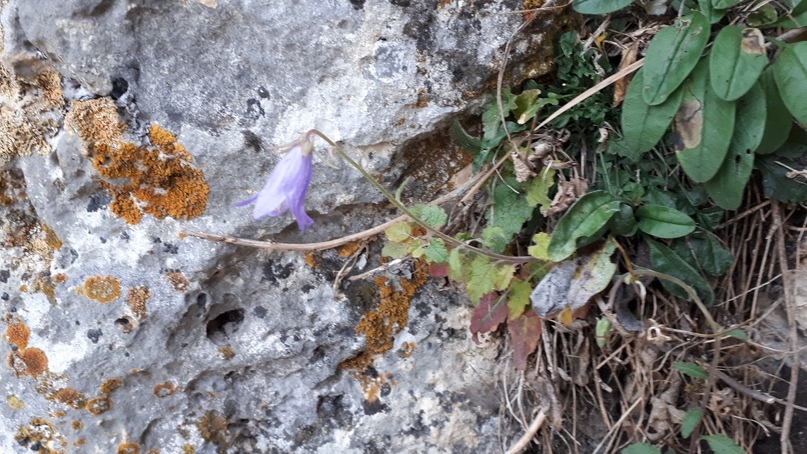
(398, 232)
(540, 249)
(518, 298)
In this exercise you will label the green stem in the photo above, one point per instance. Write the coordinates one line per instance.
(406, 211)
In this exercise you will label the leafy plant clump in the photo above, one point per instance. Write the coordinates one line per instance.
(611, 198)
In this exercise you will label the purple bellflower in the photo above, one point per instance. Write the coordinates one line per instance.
(287, 185)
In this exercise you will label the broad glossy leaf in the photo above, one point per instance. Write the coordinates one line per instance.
(712, 14)
(588, 215)
(623, 222)
(702, 127)
(736, 61)
(727, 187)
(664, 260)
(664, 222)
(724, 4)
(722, 444)
(644, 125)
(778, 181)
(599, 6)
(778, 120)
(765, 15)
(672, 55)
(703, 250)
(790, 72)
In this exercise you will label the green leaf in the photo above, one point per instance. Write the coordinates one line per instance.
(395, 250)
(455, 265)
(494, 238)
(470, 143)
(736, 61)
(538, 189)
(691, 420)
(778, 120)
(623, 222)
(727, 187)
(599, 6)
(712, 14)
(702, 127)
(664, 260)
(705, 250)
(775, 180)
(672, 55)
(540, 248)
(664, 222)
(644, 125)
(641, 448)
(722, 444)
(764, 15)
(592, 276)
(510, 210)
(518, 298)
(399, 232)
(433, 216)
(693, 370)
(491, 119)
(724, 4)
(481, 277)
(588, 215)
(790, 72)
(436, 252)
(528, 104)
(737, 333)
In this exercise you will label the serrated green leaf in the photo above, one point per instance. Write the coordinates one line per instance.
(470, 143)
(722, 444)
(455, 268)
(433, 216)
(395, 250)
(399, 232)
(693, 370)
(540, 246)
(518, 298)
(588, 215)
(778, 120)
(702, 127)
(480, 277)
(599, 6)
(504, 275)
(494, 238)
(436, 252)
(736, 61)
(727, 187)
(672, 55)
(691, 420)
(664, 260)
(644, 125)
(538, 189)
(664, 222)
(640, 448)
(790, 73)
(417, 250)
(510, 210)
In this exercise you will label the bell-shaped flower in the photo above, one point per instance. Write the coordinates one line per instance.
(287, 185)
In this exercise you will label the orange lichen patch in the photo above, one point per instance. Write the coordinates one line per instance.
(137, 297)
(15, 403)
(213, 428)
(59, 414)
(186, 449)
(227, 352)
(51, 238)
(313, 259)
(177, 280)
(50, 83)
(129, 447)
(95, 121)
(111, 385)
(407, 350)
(27, 361)
(162, 182)
(71, 398)
(60, 278)
(346, 250)
(98, 405)
(44, 286)
(80, 442)
(17, 334)
(77, 425)
(164, 389)
(100, 288)
(38, 431)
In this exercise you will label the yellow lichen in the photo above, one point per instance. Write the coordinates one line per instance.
(95, 122)
(15, 403)
(17, 334)
(100, 288)
(137, 297)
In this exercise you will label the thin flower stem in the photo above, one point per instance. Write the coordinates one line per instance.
(408, 212)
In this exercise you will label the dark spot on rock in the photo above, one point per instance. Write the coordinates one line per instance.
(386, 389)
(78, 323)
(170, 248)
(259, 312)
(67, 258)
(272, 272)
(119, 87)
(224, 325)
(36, 447)
(251, 140)
(103, 240)
(98, 201)
(317, 354)
(123, 321)
(264, 93)
(124, 236)
(4, 275)
(357, 4)
(374, 407)
(126, 354)
(401, 3)
(254, 109)
(4, 296)
(14, 347)
(157, 240)
(371, 372)
(94, 335)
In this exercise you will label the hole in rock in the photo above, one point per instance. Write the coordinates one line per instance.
(220, 328)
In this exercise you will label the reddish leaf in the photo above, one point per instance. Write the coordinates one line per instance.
(525, 332)
(439, 269)
(490, 312)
